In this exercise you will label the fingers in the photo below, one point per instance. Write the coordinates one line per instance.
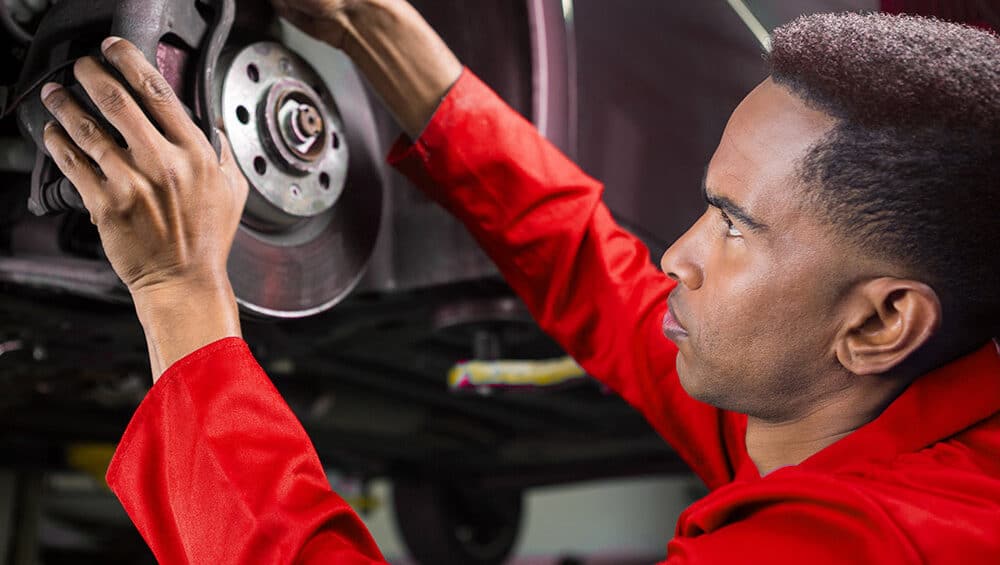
(74, 165)
(282, 9)
(117, 105)
(83, 129)
(294, 17)
(153, 90)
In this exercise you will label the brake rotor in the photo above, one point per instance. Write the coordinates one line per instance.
(310, 224)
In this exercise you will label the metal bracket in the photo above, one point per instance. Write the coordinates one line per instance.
(164, 31)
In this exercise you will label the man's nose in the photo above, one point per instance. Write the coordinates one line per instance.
(682, 261)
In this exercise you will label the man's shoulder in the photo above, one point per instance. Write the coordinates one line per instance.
(964, 466)
(945, 498)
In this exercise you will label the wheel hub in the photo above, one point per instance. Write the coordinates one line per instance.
(289, 139)
(310, 223)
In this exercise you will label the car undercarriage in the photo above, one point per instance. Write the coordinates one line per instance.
(358, 295)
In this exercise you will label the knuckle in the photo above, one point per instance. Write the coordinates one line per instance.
(87, 129)
(68, 160)
(123, 205)
(205, 160)
(169, 177)
(198, 161)
(111, 99)
(156, 88)
(168, 170)
(101, 214)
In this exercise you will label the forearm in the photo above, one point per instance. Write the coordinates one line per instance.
(404, 59)
(215, 468)
(588, 283)
(182, 318)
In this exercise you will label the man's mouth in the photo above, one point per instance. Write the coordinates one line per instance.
(671, 327)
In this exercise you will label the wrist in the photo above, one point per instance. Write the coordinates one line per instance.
(184, 316)
(404, 59)
(364, 18)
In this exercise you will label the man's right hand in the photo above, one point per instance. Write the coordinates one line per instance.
(405, 61)
(325, 20)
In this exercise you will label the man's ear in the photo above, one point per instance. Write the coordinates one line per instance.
(887, 319)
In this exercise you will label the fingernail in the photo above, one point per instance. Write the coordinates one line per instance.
(49, 88)
(107, 43)
(49, 124)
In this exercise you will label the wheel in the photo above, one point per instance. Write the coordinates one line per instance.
(447, 525)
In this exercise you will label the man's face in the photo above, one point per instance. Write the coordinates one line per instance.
(760, 278)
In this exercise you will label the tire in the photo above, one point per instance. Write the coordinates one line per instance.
(445, 525)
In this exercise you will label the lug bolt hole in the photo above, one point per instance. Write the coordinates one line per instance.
(324, 181)
(253, 72)
(242, 114)
(336, 140)
(260, 165)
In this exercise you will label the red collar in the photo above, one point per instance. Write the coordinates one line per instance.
(934, 407)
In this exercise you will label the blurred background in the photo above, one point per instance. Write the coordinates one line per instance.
(550, 471)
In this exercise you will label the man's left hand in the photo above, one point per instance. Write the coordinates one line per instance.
(167, 208)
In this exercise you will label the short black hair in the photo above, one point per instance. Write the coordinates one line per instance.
(911, 170)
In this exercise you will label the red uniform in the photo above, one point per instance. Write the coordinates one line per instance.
(214, 467)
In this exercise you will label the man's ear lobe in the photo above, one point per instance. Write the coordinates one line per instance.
(887, 320)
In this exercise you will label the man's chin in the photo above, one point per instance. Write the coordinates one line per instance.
(693, 383)
(686, 377)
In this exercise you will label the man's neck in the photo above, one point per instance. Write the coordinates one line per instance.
(772, 445)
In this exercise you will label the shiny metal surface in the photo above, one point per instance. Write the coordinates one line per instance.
(553, 71)
(266, 89)
(79, 277)
(302, 246)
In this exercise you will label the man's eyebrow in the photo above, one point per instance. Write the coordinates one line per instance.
(732, 209)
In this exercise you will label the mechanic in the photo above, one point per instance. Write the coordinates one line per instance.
(830, 372)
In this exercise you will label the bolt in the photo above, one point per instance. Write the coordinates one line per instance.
(310, 121)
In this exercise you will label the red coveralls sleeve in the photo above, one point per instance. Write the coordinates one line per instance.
(215, 468)
(588, 282)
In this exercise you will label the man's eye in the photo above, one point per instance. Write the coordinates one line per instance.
(732, 230)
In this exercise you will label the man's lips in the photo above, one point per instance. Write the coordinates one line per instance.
(671, 327)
